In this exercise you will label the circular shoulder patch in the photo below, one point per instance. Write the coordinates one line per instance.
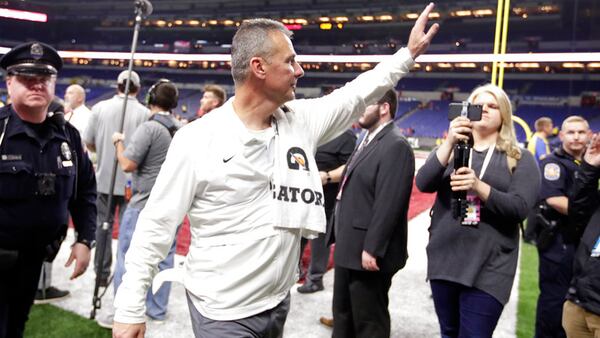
(552, 171)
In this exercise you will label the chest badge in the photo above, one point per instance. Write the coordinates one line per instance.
(65, 151)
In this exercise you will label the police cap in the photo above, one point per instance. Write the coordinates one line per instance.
(32, 58)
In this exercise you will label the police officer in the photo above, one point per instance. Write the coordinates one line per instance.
(581, 311)
(44, 176)
(557, 240)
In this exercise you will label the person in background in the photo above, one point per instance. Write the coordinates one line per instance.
(143, 157)
(214, 96)
(581, 310)
(105, 120)
(472, 259)
(76, 111)
(370, 224)
(538, 143)
(557, 240)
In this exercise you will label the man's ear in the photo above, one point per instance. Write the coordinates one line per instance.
(384, 108)
(257, 67)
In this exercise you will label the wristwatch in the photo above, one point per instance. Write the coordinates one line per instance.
(87, 243)
(328, 177)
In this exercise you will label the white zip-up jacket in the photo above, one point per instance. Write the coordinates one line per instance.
(244, 250)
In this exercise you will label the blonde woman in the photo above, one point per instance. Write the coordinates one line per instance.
(471, 268)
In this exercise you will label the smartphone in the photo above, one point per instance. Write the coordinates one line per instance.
(471, 111)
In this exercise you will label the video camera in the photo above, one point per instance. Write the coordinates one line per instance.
(462, 152)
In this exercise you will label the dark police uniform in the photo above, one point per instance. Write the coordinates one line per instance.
(556, 260)
(44, 176)
(584, 212)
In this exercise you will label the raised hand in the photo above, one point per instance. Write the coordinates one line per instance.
(592, 154)
(419, 40)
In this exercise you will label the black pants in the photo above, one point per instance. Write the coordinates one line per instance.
(17, 291)
(360, 304)
(555, 272)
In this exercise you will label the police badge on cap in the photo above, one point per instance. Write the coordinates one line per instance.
(37, 51)
(32, 58)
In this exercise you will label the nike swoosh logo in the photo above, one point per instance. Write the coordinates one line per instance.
(227, 160)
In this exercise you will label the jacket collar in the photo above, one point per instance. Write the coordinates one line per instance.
(371, 146)
(18, 126)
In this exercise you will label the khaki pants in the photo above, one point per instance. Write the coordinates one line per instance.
(579, 323)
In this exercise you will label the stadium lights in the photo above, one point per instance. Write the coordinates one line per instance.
(573, 65)
(412, 16)
(574, 60)
(483, 12)
(466, 65)
(23, 15)
(462, 13)
(325, 26)
(385, 17)
(528, 65)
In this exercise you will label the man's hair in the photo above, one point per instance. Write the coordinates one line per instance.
(391, 98)
(542, 122)
(218, 91)
(165, 96)
(252, 39)
(133, 89)
(575, 118)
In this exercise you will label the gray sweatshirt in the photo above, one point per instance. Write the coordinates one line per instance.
(484, 257)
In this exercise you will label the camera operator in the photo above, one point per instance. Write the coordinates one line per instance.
(471, 268)
(581, 311)
(557, 240)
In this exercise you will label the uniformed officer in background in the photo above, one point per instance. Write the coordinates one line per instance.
(44, 176)
(557, 239)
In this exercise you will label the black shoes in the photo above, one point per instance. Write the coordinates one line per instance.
(49, 295)
(310, 287)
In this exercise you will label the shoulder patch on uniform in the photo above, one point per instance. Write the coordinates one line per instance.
(552, 171)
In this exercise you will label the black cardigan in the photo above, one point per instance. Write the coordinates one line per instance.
(484, 257)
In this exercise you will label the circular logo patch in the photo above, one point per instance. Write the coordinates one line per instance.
(551, 172)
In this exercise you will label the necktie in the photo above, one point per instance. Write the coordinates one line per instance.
(351, 162)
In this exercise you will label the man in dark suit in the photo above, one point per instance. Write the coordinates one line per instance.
(370, 227)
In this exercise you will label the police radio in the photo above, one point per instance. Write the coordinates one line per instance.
(462, 152)
(56, 113)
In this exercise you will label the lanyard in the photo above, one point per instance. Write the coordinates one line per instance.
(486, 161)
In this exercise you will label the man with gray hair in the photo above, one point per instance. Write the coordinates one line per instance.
(250, 187)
